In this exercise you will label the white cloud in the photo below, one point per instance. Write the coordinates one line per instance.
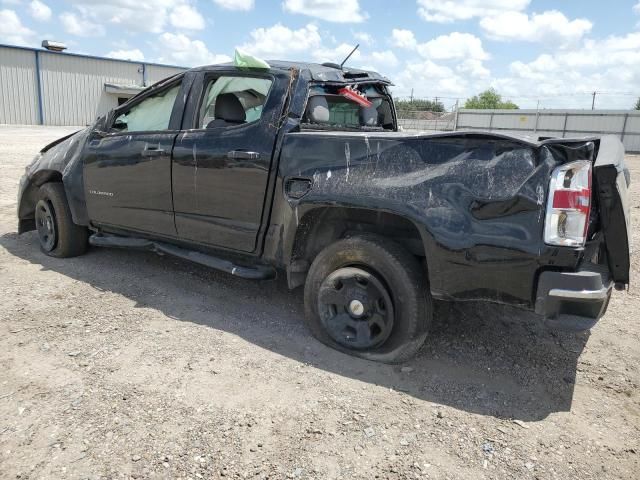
(244, 5)
(150, 16)
(403, 38)
(80, 26)
(609, 65)
(473, 67)
(339, 11)
(429, 79)
(385, 59)
(134, 54)
(336, 54)
(186, 17)
(551, 26)
(636, 8)
(455, 45)
(12, 31)
(460, 57)
(364, 38)
(282, 42)
(39, 11)
(444, 11)
(181, 50)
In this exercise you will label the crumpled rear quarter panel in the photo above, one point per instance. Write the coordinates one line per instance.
(478, 201)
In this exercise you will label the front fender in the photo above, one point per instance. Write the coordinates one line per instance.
(60, 161)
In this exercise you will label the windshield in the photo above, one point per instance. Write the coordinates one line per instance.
(348, 107)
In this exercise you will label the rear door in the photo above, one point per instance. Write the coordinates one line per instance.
(222, 161)
(127, 172)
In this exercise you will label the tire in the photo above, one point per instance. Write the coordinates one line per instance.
(377, 264)
(58, 235)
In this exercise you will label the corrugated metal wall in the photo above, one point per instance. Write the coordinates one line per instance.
(18, 89)
(155, 73)
(558, 123)
(71, 86)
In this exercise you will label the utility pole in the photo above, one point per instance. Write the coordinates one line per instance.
(455, 119)
(411, 98)
(593, 101)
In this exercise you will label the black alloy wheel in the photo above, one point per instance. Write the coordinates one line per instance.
(46, 225)
(369, 297)
(355, 308)
(58, 235)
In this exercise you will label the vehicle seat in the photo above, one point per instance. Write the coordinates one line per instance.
(228, 111)
(369, 116)
(318, 109)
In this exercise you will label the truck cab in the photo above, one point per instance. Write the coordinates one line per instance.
(299, 169)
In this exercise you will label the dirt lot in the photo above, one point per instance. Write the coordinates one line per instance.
(123, 364)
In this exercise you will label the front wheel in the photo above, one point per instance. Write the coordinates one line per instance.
(367, 296)
(58, 235)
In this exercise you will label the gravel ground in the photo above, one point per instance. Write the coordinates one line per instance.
(123, 364)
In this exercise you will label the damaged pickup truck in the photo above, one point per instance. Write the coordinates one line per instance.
(300, 168)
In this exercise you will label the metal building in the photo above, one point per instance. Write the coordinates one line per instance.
(42, 87)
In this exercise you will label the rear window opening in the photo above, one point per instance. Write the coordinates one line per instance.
(328, 109)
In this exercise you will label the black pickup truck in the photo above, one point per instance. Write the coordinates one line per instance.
(301, 168)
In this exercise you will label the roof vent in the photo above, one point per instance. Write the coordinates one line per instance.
(53, 46)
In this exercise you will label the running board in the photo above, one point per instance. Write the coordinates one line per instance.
(260, 272)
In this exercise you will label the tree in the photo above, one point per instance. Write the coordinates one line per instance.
(419, 105)
(637, 107)
(489, 99)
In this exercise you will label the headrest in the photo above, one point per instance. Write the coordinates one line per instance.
(318, 109)
(369, 116)
(229, 108)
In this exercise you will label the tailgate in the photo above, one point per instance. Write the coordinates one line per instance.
(612, 180)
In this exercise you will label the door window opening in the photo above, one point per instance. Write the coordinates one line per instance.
(152, 114)
(230, 101)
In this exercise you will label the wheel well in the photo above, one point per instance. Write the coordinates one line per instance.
(323, 226)
(30, 197)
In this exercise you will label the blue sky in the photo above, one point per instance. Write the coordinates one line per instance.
(531, 51)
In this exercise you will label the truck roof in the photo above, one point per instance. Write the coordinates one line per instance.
(320, 72)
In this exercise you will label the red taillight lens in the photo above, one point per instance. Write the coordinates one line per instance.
(572, 200)
(569, 205)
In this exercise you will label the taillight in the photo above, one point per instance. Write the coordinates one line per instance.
(569, 205)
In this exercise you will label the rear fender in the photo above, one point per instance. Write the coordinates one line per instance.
(611, 183)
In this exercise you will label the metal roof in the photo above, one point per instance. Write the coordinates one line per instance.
(320, 72)
(94, 57)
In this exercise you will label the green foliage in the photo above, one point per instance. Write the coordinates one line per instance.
(489, 99)
(419, 105)
(637, 107)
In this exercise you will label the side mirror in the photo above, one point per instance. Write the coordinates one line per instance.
(99, 126)
(99, 133)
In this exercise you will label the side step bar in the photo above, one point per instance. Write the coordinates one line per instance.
(259, 272)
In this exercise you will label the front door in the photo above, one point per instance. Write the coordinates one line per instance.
(127, 173)
(221, 165)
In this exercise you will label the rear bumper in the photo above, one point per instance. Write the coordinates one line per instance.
(573, 300)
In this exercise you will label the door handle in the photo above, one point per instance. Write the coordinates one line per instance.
(242, 155)
(152, 152)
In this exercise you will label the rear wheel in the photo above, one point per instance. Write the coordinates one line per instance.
(367, 296)
(58, 235)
